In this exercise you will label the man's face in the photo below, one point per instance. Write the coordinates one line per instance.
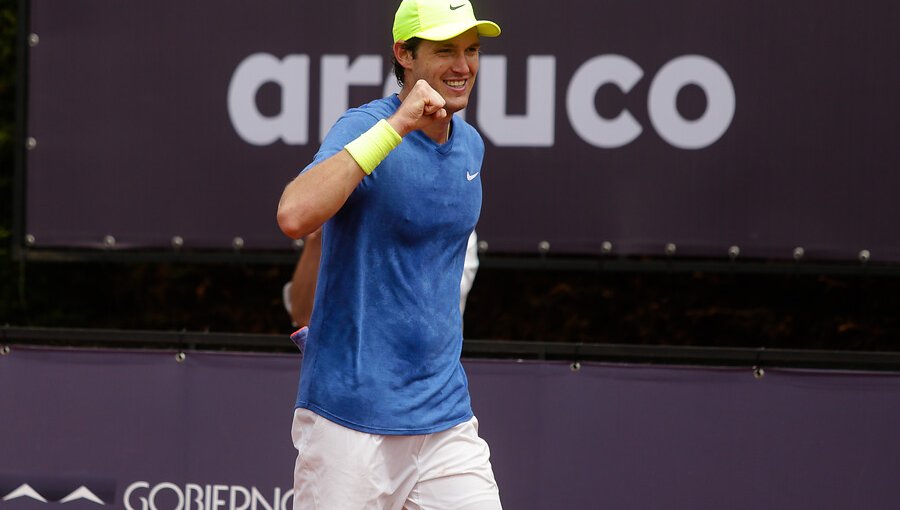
(449, 67)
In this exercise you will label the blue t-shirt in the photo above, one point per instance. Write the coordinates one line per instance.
(383, 352)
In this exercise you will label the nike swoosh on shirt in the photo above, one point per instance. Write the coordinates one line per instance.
(471, 176)
(453, 8)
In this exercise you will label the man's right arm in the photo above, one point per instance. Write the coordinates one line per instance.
(317, 194)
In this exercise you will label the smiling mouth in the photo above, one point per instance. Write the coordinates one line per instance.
(456, 84)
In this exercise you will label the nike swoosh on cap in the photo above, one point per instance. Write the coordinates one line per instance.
(454, 7)
(471, 176)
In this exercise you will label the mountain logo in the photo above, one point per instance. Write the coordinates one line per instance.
(54, 490)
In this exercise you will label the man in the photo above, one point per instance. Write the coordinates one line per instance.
(383, 416)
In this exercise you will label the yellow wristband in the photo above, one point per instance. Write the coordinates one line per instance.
(371, 147)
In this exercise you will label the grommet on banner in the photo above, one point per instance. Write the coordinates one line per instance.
(177, 242)
(33, 40)
(109, 241)
(482, 246)
(671, 249)
(543, 247)
(29, 240)
(4, 350)
(606, 248)
(180, 357)
(237, 243)
(31, 143)
(758, 372)
(734, 252)
(799, 253)
(864, 256)
(297, 244)
(575, 366)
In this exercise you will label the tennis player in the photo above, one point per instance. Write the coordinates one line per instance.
(383, 418)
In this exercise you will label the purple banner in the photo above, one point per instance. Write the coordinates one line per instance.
(751, 127)
(145, 431)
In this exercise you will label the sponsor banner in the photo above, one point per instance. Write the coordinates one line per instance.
(743, 128)
(143, 431)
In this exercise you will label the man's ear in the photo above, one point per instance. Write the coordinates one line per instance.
(402, 54)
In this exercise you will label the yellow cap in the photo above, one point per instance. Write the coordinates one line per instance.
(438, 20)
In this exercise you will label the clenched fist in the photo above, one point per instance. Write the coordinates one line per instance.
(422, 107)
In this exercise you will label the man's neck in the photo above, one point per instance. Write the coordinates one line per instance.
(439, 131)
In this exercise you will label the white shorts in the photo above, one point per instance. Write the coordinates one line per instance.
(343, 469)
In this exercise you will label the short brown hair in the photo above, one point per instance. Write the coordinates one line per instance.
(411, 45)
